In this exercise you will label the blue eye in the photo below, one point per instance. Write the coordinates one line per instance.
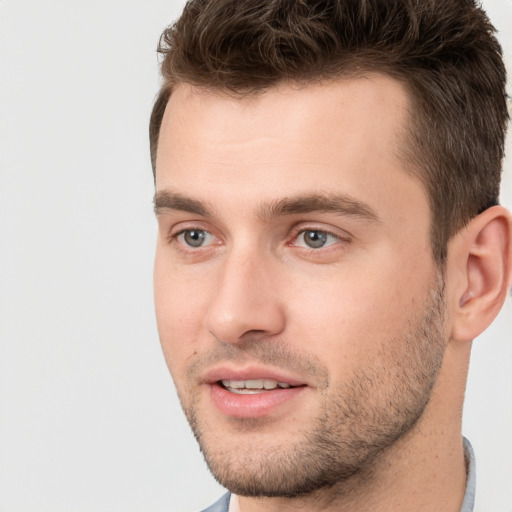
(195, 237)
(315, 239)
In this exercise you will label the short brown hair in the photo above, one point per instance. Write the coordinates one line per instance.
(444, 51)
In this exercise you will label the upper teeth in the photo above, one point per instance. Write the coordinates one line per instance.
(254, 384)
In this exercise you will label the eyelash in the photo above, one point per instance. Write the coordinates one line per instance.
(174, 238)
(313, 229)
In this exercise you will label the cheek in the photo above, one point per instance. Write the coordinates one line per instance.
(180, 307)
(353, 318)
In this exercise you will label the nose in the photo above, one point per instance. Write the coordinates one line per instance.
(246, 300)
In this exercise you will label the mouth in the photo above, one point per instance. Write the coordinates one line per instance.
(253, 393)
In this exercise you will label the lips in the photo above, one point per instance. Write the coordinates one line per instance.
(252, 393)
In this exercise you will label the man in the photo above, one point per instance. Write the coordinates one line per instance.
(330, 243)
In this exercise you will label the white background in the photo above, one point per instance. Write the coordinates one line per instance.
(89, 420)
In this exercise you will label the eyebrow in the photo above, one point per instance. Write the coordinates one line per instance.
(166, 200)
(340, 204)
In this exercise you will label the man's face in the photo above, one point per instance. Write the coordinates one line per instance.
(298, 305)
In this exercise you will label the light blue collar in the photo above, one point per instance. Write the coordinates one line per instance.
(469, 496)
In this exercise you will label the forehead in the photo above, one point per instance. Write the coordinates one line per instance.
(284, 111)
(339, 137)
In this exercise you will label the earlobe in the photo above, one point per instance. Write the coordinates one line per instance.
(485, 257)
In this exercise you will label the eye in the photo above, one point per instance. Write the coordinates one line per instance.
(315, 239)
(195, 237)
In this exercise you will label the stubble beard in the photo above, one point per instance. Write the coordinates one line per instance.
(359, 419)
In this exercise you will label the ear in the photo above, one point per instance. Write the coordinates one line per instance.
(483, 257)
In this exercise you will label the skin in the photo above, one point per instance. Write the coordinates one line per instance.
(255, 297)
